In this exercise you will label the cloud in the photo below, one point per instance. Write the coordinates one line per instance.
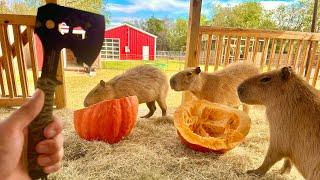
(151, 5)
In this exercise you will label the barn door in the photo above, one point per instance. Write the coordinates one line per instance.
(145, 52)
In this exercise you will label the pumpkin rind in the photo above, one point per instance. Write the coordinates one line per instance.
(109, 120)
(210, 127)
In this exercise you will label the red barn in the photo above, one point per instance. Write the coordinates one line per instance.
(126, 42)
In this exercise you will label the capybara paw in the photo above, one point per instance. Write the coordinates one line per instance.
(255, 172)
(146, 116)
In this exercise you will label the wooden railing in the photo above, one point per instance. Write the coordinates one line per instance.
(17, 45)
(268, 49)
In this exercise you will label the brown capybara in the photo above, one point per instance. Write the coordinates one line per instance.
(219, 87)
(148, 83)
(293, 112)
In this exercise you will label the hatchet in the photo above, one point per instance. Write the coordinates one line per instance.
(85, 50)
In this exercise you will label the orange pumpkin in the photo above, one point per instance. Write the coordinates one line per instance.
(205, 126)
(109, 121)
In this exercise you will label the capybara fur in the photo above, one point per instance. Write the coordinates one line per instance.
(219, 87)
(148, 83)
(293, 112)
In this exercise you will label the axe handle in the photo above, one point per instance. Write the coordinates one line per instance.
(35, 134)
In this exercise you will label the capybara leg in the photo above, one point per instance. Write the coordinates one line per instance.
(163, 106)
(271, 158)
(287, 166)
(315, 174)
(245, 108)
(152, 108)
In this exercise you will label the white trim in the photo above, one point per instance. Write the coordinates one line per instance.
(125, 24)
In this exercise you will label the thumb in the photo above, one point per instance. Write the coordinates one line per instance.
(28, 111)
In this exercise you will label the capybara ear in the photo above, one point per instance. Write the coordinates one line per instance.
(197, 70)
(286, 73)
(102, 83)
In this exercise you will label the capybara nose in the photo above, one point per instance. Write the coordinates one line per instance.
(240, 90)
(85, 104)
(173, 83)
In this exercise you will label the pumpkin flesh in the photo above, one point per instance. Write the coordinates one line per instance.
(109, 120)
(206, 126)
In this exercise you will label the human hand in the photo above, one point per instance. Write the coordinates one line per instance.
(13, 138)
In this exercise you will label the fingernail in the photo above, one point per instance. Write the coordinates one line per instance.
(42, 149)
(51, 133)
(44, 160)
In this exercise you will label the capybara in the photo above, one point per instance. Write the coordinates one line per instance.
(219, 87)
(293, 112)
(148, 83)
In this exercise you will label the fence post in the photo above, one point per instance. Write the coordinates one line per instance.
(192, 40)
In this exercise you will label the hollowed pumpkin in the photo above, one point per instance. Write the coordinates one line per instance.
(206, 126)
(109, 121)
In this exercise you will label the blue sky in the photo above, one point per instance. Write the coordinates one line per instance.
(127, 10)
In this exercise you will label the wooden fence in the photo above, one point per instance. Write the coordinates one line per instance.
(268, 49)
(17, 45)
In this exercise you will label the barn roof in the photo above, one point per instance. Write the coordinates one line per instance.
(138, 29)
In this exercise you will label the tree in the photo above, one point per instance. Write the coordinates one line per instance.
(295, 17)
(177, 35)
(159, 28)
(244, 15)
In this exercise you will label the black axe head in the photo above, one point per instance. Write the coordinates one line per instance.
(85, 50)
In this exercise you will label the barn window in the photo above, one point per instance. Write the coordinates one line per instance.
(110, 48)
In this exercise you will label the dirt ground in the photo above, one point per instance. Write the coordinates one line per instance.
(154, 151)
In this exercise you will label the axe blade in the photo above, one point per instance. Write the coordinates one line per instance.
(85, 50)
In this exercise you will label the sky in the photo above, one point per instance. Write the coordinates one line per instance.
(129, 10)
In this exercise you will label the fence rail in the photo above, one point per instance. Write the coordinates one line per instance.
(268, 49)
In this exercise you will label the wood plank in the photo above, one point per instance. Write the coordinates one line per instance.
(16, 101)
(296, 59)
(260, 33)
(33, 57)
(5, 45)
(24, 38)
(3, 91)
(289, 53)
(198, 50)
(20, 60)
(208, 53)
(282, 45)
(312, 57)
(304, 59)
(193, 33)
(264, 52)
(237, 53)
(246, 49)
(218, 53)
(227, 54)
(273, 50)
(17, 19)
(316, 74)
(60, 93)
(255, 50)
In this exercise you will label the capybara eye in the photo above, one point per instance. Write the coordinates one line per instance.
(189, 73)
(265, 79)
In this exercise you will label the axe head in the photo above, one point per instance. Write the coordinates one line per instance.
(85, 50)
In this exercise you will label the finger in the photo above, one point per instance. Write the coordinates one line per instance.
(28, 111)
(50, 146)
(45, 160)
(51, 169)
(54, 128)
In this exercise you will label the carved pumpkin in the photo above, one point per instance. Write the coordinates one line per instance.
(205, 126)
(109, 120)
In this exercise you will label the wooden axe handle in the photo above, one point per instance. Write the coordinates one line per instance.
(35, 134)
